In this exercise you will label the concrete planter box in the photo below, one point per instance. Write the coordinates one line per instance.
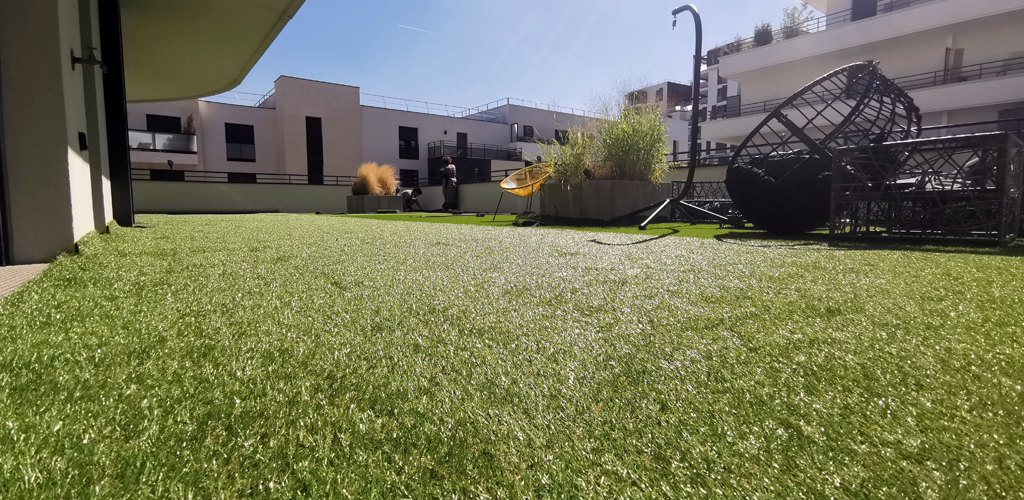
(600, 200)
(366, 204)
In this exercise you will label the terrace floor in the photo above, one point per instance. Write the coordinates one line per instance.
(318, 356)
(12, 277)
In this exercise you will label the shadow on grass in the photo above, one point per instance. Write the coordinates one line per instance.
(671, 232)
(825, 242)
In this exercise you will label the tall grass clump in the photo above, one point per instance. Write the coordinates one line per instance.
(375, 180)
(387, 179)
(633, 146)
(568, 161)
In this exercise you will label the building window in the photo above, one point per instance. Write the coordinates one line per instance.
(722, 81)
(562, 137)
(163, 124)
(723, 93)
(637, 97)
(408, 143)
(659, 95)
(241, 142)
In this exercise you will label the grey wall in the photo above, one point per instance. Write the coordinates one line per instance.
(157, 197)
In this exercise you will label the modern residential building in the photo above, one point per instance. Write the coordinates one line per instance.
(320, 132)
(961, 60)
(67, 68)
(673, 101)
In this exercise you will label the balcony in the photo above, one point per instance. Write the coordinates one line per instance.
(991, 83)
(817, 44)
(964, 74)
(440, 149)
(822, 23)
(160, 142)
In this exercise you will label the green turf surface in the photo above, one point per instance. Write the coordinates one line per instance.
(655, 230)
(312, 356)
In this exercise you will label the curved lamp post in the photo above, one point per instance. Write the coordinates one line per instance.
(694, 119)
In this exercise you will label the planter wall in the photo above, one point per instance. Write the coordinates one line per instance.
(600, 200)
(366, 204)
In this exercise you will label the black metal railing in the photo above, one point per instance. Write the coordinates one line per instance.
(974, 72)
(707, 157)
(440, 149)
(162, 142)
(145, 174)
(814, 25)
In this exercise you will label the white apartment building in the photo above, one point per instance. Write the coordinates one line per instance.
(320, 133)
(961, 60)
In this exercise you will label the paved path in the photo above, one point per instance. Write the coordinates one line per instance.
(14, 276)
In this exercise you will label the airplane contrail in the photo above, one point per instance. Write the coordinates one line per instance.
(424, 31)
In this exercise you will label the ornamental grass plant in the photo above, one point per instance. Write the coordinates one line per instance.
(375, 180)
(633, 146)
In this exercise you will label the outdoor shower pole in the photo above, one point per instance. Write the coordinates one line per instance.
(694, 118)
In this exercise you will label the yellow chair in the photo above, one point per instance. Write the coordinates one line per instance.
(524, 183)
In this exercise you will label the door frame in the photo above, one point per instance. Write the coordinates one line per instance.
(5, 241)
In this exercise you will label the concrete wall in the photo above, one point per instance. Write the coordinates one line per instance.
(715, 173)
(214, 146)
(223, 198)
(380, 134)
(52, 200)
(483, 197)
(341, 117)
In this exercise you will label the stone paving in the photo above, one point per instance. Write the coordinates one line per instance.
(14, 276)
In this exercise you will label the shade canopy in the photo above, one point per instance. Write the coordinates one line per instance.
(188, 49)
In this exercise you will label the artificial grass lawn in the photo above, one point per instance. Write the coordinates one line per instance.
(311, 356)
(654, 230)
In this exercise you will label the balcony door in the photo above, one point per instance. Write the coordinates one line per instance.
(863, 9)
(314, 150)
(462, 144)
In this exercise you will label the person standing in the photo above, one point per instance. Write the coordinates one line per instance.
(450, 186)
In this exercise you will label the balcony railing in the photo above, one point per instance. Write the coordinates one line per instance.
(440, 149)
(145, 174)
(160, 142)
(814, 25)
(974, 72)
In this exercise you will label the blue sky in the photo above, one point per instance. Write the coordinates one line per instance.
(552, 51)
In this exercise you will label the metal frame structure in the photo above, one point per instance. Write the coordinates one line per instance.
(961, 188)
(780, 175)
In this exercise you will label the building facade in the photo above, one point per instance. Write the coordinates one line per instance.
(961, 60)
(321, 132)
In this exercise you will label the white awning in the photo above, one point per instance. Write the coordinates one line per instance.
(186, 49)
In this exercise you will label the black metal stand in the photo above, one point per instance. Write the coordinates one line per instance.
(499, 206)
(694, 118)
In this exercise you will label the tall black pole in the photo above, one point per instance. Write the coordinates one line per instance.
(115, 101)
(694, 118)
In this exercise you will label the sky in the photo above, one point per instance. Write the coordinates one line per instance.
(471, 52)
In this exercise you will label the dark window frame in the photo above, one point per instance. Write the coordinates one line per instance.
(408, 143)
(237, 136)
(164, 124)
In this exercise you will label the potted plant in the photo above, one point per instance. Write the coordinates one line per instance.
(614, 168)
(794, 20)
(763, 35)
(373, 190)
